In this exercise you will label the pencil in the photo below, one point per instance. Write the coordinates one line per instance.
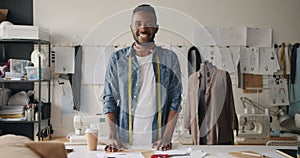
(252, 154)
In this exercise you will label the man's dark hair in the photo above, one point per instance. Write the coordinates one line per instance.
(146, 8)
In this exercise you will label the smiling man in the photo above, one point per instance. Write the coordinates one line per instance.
(142, 91)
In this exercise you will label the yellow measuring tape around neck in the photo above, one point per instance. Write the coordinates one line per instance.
(130, 98)
(159, 115)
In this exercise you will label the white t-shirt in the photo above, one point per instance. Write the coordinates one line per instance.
(146, 102)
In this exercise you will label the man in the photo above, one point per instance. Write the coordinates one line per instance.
(142, 91)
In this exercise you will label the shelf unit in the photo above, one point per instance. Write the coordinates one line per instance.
(27, 128)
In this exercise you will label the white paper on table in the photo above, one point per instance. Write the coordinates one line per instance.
(124, 155)
(170, 152)
(259, 37)
(249, 60)
(268, 61)
(101, 155)
(269, 154)
(193, 154)
(198, 154)
(64, 60)
(223, 155)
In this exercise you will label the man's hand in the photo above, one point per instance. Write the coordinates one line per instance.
(113, 145)
(165, 143)
(162, 145)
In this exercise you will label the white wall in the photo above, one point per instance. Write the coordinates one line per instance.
(71, 20)
(106, 22)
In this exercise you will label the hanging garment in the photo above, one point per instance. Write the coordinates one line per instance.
(295, 104)
(293, 61)
(220, 117)
(194, 59)
(284, 61)
(201, 105)
(293, 70)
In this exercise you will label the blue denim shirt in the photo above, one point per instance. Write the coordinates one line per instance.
(116, 88)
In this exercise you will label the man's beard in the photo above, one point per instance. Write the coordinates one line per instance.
(144, 44)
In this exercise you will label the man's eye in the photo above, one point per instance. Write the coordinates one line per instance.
(138, 25)
(149, 25)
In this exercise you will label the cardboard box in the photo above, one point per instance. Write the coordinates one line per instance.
(24, 32)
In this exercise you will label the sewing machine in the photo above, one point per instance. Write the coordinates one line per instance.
(82, 122)
(253, 129)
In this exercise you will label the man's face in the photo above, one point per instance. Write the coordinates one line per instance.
(143, 27)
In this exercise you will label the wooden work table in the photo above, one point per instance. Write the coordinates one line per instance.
(212, 151)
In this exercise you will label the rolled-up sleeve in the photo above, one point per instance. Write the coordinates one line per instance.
(111, 92)
(175, 89)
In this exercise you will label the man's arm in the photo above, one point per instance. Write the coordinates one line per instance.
(174, 107)
(113, 144)
(165, 142)
(170, 126)
(110, 95)
(110, 108)
(111, 123)
(174, 94)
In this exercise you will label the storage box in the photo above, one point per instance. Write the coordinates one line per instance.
(13, 76)
(18, 65)
(33, 73)
(4, 95)
(24, 32)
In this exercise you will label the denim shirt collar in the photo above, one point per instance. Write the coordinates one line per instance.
(131, 51)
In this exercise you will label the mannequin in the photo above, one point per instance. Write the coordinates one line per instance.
(210, 112)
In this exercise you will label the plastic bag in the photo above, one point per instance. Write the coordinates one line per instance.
(20, 98)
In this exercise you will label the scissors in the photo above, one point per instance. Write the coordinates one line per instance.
(168, 155)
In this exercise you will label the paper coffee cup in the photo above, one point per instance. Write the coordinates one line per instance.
(92, 138)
